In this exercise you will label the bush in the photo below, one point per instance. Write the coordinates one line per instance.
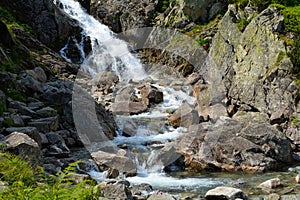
(295, 55)
(24, 182)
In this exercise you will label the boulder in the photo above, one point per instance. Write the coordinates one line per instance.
(22, 145)
(184, 116)
(46, 112)
(226, 193)
(116, 191)
(38, 74)
(232, 145)
(128, 108)
(151, 94)
(161, 196)
(112, 173)
(270, 184)
(32, 132)
(45, 125)
(106, 160)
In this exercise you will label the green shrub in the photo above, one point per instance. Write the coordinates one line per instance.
(291, 19)
(24, 182)
(295, 55)
(15, 95)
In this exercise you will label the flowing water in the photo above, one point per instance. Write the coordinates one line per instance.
(112, 54)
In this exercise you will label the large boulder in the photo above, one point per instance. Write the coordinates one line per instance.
(225, 193)
(232, 145)
(32, 132)
(106, 160)
(23, 146)
(185, 116)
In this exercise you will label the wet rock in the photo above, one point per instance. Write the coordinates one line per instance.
(106, 160)
(22, 145)
(128, 127)
(112, 173)
(151, 94)
(161, 196)
(46, 112)
(228, 193)
(185, 116)
(128, 108)
(32, 132)
(270, 184)
(45, 125)
(116, 191)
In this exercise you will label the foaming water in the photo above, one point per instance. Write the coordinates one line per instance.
(108, 52)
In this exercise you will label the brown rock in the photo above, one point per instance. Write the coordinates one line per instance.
(270, 184)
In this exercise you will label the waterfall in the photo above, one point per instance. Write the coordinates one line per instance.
(108, 52)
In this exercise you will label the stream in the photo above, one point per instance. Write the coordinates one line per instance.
(152, 132)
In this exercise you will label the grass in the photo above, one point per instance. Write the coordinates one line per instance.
(15, 95)
(26, 182)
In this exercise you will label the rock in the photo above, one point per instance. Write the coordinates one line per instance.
(116, 191)
(232, 146)
(257, 117)
(17, 120)
(121, 15)
(6, 38)
(214, 112)
(57, 92)
(228, 193)
(196, 9)
(297, 178)
(273, 196)
(32, 132)
(106, 160)
(55, 151)
(35, 105)
(141, 188)
(46, 112)
(127, 126)
(185, 116)
(151, 94)
(45, 125)
(31, 83)
(38, 74)
(22, 109)
(160, 196)
(22, 145)
(112, 173)
(128, 107)
(44, 140)
(270, 184)
(50, 168)
(105, 78)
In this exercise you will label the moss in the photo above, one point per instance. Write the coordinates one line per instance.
(15, 95)
(291, 19)
(242, 24)
(280, 56)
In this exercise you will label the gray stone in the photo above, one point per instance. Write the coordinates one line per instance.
(32, 132)
(116, 191)
(47, 112)
(22, 145)
(226, 193)
(106, 160)
(185, 116)
(35, 105)
(45, 125)
(22, 108)
(128, 108)
(38, 73)
(270, 184)
(161, 196)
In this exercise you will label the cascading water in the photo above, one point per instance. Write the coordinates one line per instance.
(112, 54)
(108, 52)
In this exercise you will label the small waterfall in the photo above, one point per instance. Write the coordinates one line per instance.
(108, 52)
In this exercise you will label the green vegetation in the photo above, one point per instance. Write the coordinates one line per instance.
(15, 95)
(8, 122)
(2, 107)
(263, 4)
(242, 24)
(162, 5)
(25, 182)
(291, 19)
(295, 56)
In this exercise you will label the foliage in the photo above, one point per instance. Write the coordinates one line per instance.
(2, 107)
(15, 95)
(242, 24)
(295, 55)
(25, 182)
(162, 5)
(263, 4)
(8, 122)
(292, 19)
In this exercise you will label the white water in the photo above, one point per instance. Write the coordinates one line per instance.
(108, 52)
